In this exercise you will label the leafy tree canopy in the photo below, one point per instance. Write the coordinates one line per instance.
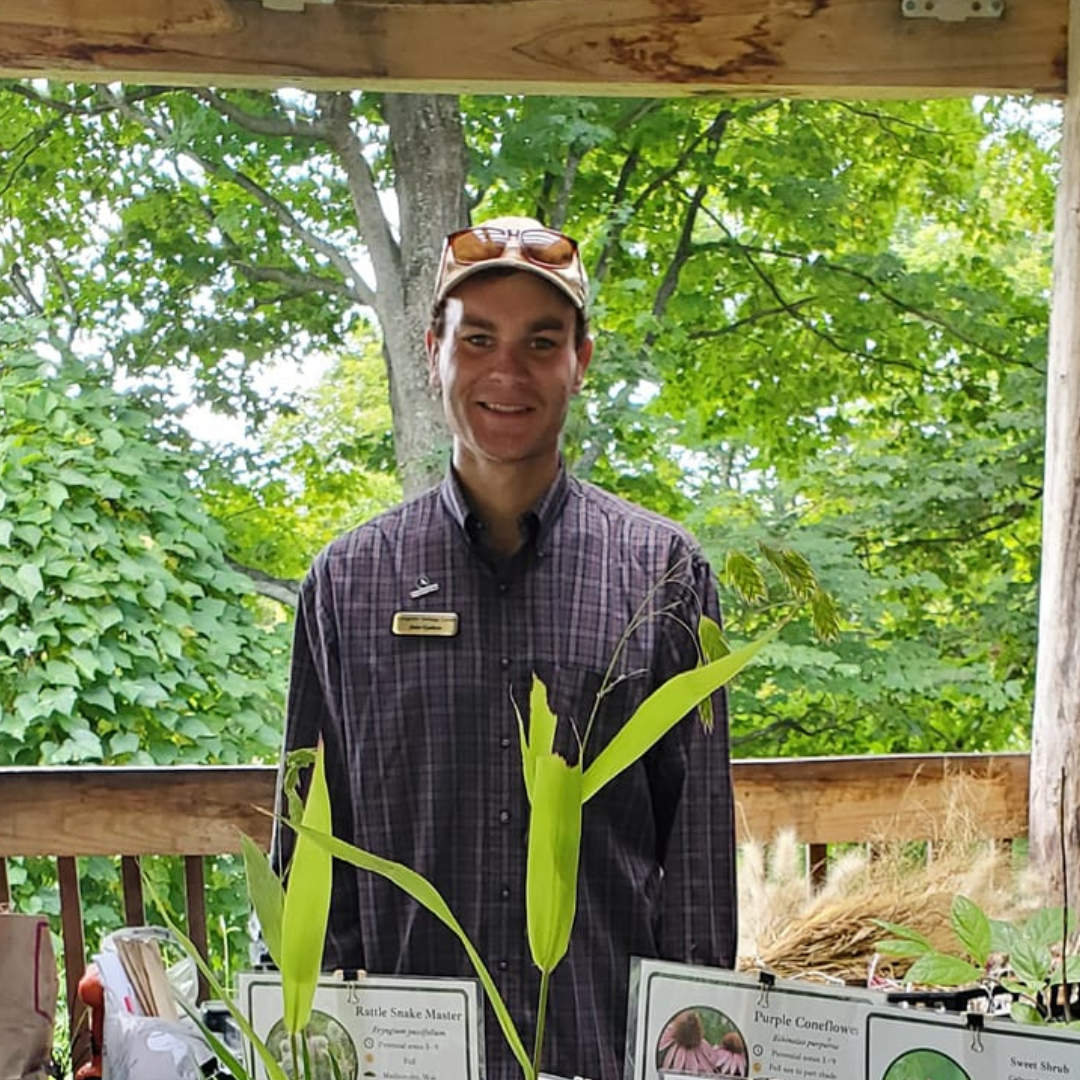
(819, 325)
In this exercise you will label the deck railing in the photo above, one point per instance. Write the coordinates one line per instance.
(193, 812)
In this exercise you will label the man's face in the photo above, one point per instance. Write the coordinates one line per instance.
(507, 366)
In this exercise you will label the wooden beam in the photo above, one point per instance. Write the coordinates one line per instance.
(195, 909)
(198, 810)
(820, 48)
(901, 797)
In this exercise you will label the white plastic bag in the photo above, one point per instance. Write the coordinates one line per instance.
(149, 1047)
(138, 1047)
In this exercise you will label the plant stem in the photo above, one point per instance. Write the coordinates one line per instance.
(295, 1054)
(541, 1019)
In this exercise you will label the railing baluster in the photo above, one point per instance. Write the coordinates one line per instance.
(67, 876)
(131, 875)
(195, 896)
(5, 891)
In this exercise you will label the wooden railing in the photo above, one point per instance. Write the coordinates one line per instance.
(193, 812)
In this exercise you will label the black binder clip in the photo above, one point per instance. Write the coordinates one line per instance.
(976, 1022)
(766, 981)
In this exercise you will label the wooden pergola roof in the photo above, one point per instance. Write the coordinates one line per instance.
(816, 48)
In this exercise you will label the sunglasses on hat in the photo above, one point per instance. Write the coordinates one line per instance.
(530, 246)
(544, 247)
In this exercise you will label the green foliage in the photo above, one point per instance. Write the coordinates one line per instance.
(127, 637)
(325, 466)
(1023, 957)
(821, 327)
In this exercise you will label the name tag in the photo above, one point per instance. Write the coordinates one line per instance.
(425, 623)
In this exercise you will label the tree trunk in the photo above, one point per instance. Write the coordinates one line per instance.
(428, 147)
(1055, 750)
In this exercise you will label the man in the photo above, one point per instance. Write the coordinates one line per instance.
(418, 632)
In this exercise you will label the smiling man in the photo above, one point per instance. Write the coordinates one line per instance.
(418, 632)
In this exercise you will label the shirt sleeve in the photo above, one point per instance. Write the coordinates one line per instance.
(690, 778)
(313, 713)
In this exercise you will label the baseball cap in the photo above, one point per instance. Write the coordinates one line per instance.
(520, 243)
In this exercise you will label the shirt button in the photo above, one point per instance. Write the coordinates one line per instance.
(503, 586)
(504, 816)
(503, 965)
(504, 742)
(504, 662)
(504, 892)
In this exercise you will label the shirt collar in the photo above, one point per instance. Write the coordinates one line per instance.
(536, 522)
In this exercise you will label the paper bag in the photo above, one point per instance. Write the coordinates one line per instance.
(28, 988)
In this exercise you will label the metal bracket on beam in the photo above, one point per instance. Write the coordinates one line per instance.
(291, 5)
(951, 10)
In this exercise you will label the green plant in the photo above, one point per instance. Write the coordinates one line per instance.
(557, 793)
(1030, 959)
(293, 919)
(294, 916)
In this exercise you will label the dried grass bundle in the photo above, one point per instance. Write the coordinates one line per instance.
(836, 937)
(832, 934)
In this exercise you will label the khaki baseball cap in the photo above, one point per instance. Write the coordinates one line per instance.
(520, 243)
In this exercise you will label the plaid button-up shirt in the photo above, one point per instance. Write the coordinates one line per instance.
(423, 751)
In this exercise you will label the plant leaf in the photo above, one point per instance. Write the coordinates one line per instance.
(551, 875)
(662, 710)
(1023, 1013)
(940, 969)
(1048, 926)
(307, 906)
(541, 735)
(902, 948)
(1031, 962)
(273, 1070)
(906, 933)
(425, 894)
(972, 927)
(266, 894)
(713, 647)
(711, 639)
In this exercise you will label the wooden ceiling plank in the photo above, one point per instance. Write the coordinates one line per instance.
(124, 17)
(820, 48)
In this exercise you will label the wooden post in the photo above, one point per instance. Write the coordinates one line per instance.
(1055, 749)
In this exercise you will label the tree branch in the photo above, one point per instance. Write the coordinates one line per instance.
(358, 288)
(275, 126)
(374, 228)
(792, 307)
(296, 284)
(279, 589)
(683, 251)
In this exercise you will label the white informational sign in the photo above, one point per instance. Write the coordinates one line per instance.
(385, 1027)
(690, 1021)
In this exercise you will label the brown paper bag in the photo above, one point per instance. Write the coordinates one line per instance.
(28, 988)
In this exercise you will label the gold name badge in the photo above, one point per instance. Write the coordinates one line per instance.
(425, 623)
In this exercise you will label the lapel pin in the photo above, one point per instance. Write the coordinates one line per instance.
(424, 587)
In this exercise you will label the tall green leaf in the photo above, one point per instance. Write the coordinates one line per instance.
(306, 908)
(662, 710)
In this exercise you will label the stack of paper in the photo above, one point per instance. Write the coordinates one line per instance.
(135, 974)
